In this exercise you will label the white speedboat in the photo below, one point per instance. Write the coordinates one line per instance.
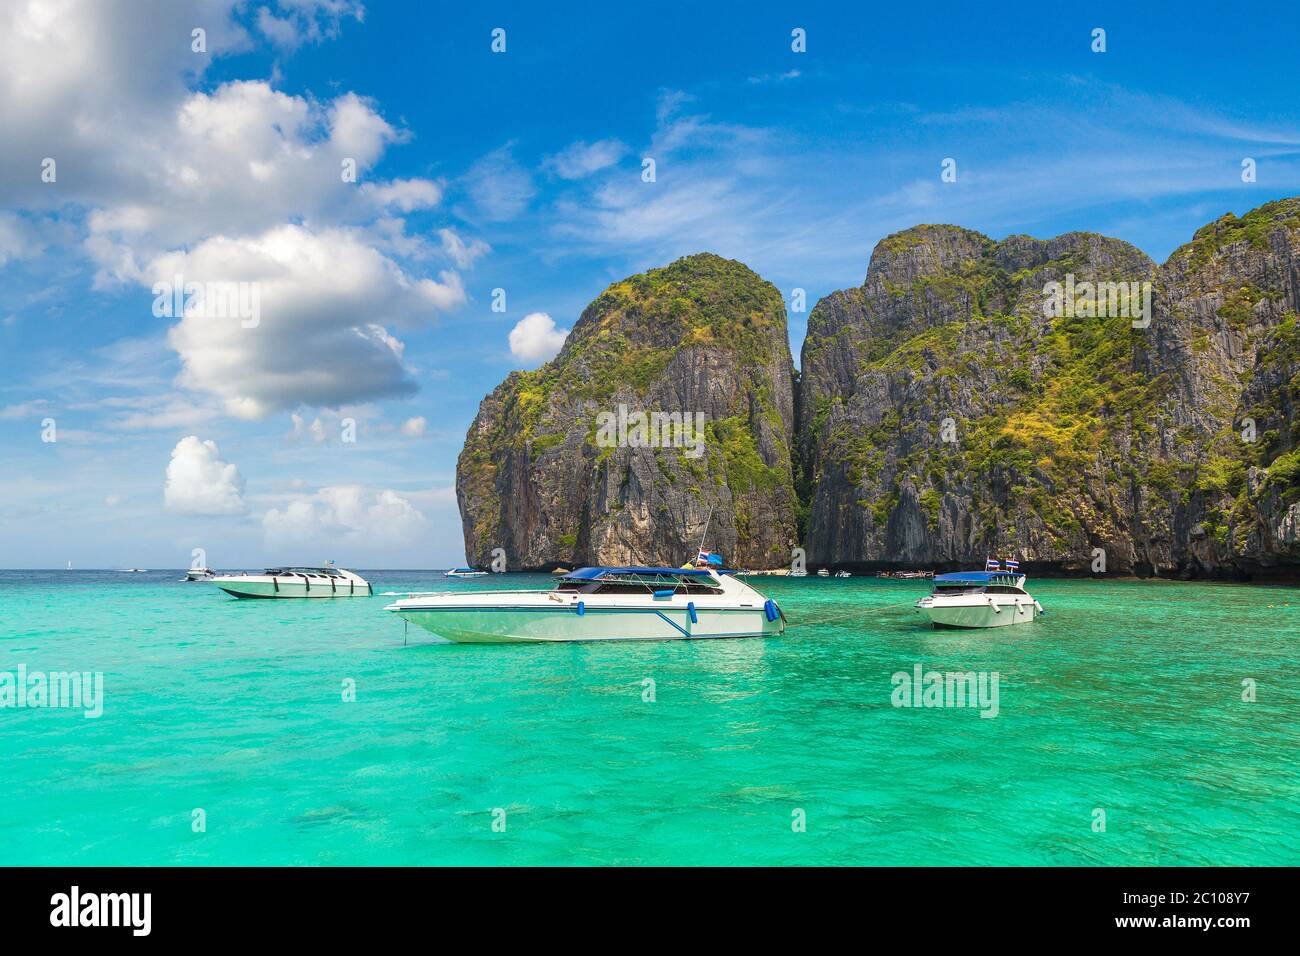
(979, 599)
(465, 573)
(843, 574)
(602, 604)
(326, 582)
(199, 574)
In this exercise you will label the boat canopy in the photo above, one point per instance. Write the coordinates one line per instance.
(593, 574)
(978, 577)
(331, 571)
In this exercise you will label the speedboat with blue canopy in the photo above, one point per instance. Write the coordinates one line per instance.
(602, 604)
(465, 573)
(993, 598)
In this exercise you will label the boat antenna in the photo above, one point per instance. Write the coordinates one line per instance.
(705, 535)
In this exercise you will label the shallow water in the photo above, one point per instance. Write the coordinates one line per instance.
(1126, 697)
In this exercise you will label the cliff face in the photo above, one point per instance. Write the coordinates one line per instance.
(946, 414)
(556, 469)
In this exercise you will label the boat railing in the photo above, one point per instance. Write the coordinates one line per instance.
(475, 592)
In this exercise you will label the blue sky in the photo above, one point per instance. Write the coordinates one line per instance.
(518, 171)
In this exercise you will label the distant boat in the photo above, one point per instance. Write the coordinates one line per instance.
(823, 573)
(69, 565)
(132, 570)
(843, 574)
(798, 573)
(199, 574)
(464, 573)
(326, 582)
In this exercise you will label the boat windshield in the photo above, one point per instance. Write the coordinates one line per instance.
(638, 582)
(311, 572)
(953, 590)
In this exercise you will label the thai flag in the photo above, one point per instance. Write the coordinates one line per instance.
(1012, 564)
(991, 564)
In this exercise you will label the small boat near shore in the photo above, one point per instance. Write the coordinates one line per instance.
(465, 573)
(602, 604)
(325, 582)
(976, 599)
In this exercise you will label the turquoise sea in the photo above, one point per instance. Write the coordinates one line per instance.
(1126, 697)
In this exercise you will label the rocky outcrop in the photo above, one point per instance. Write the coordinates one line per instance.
(560, 469)
(948, 413)
(1067, 401)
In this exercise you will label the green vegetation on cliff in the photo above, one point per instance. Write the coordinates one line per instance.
(1062, 430)
(704, 336)
(943, 410)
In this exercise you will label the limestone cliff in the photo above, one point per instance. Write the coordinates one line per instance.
(946, 414)
(556, 470)
(952, 406)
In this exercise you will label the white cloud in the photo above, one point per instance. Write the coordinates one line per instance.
(582, 159)
(248, 189)
(460, 252)
(200, 483)
(344, 514)
(159, 413)
(775, 77)
(305, 22)
(81, 78)
(499, 188)
(16, 240)
(39, 407)
(415, 427)
(716, 189)
(318, 342)
(536, 339)
(316, 430)
(239, 161)
(404, 195)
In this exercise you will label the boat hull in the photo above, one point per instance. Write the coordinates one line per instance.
(986, 614)
(286, 588)
(538, 625)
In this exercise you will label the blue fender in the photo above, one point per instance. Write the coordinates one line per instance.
(771, 610)
(690, 609)
(582, 608)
